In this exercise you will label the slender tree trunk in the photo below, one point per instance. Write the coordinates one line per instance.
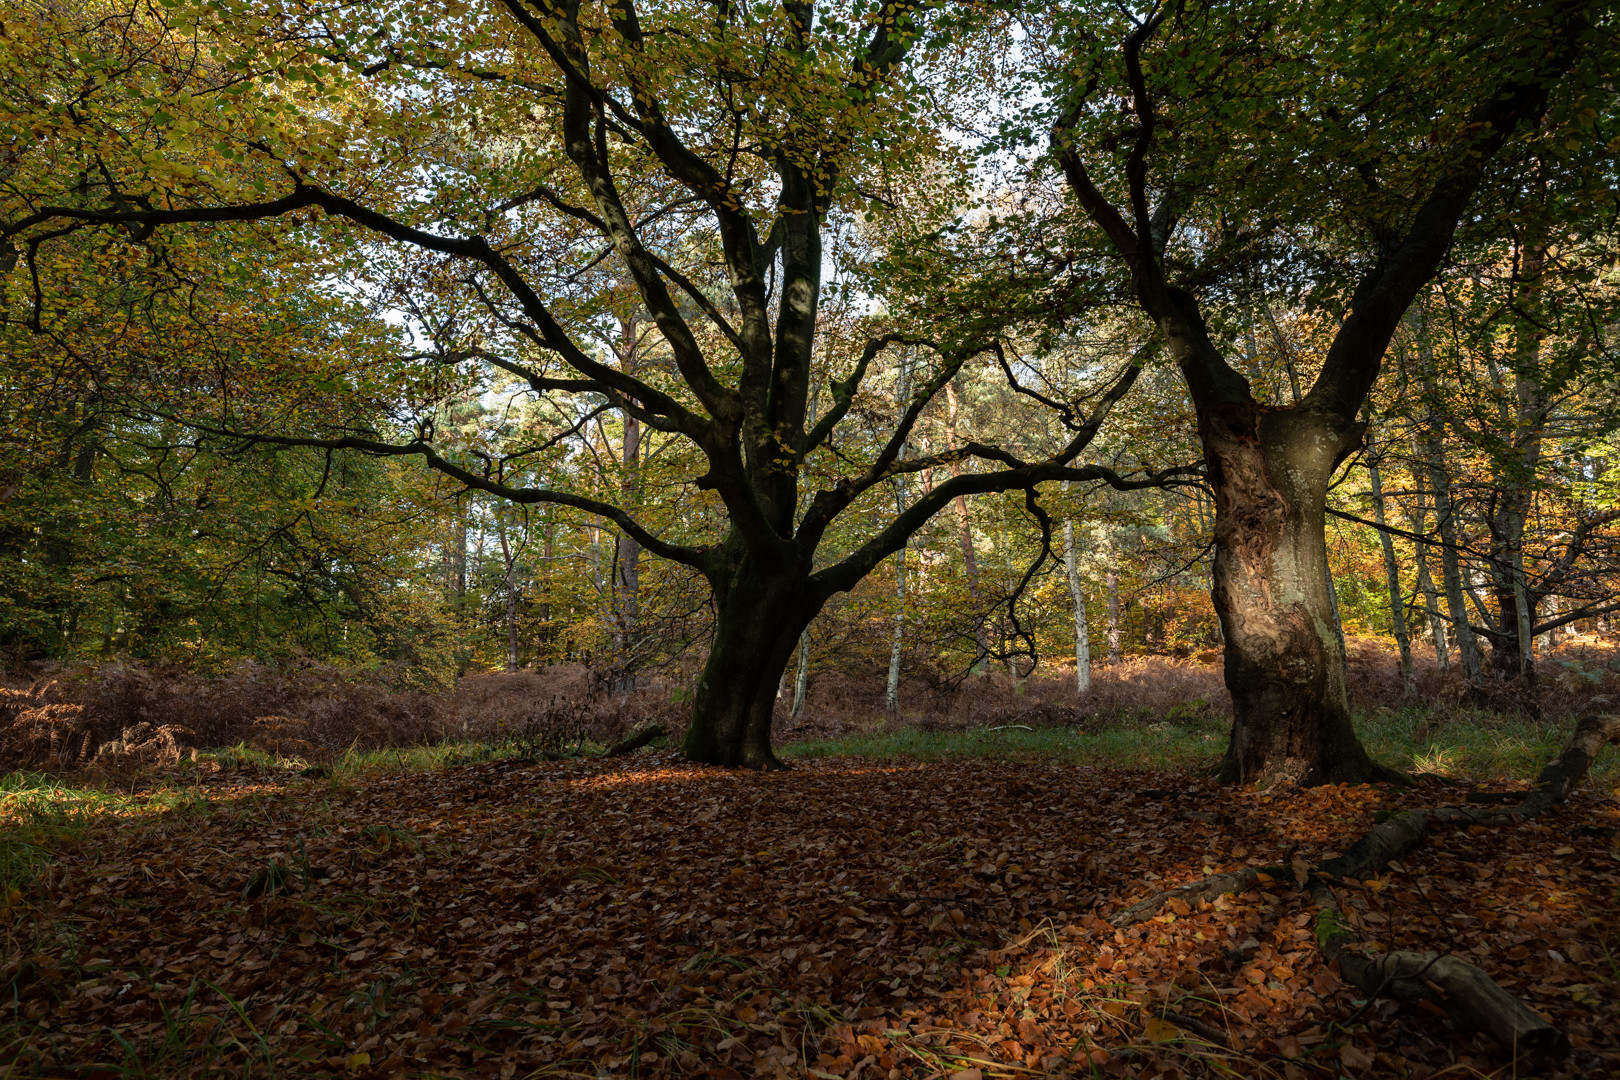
(1549, 640)
(801, 682)
(1112, 585)
(509, 563)
(891, 693)
(548, 533)
(1512, 654)
(627, 561)
(891, 696)
(1418, 521)
(1333, 609)
(1392, 577)
(455, 558)
(1283, 350)
(1284, 663)
(964, 534)
(1450, 570)
(1082, 633)
(1204, 529)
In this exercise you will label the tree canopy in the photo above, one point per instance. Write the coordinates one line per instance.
(830, 308)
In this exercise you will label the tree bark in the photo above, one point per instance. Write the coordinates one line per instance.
(801, 682)
(509, 564)
(891, 696)
(1462, 630)
(1431, 600)
(1111, 584)
(626, 584)
(891, 688)
(455, 558)
(1512, 651)
(964, 533)
(1392, 577)
(760, 614)
(1284, 665)
(1082, 633)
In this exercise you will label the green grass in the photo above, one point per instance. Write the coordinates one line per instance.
(1149, 746)
(356, 763)
(1481, 747)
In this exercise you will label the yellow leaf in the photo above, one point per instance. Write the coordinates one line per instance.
(1160, 1030)
(359, 1061)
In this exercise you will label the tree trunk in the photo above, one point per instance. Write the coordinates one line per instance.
(891, 691)
(1333, 608)
(1082, 633)
(1284, 665)
(1418, 521)
(891, 697)
(455, 558)
(1111, 583)
(1549, 640)
(1450, 572)
(626, 588)
(964, 535)
(549, 552)
(1512, 654)
(509, 563)
(801, 682)
(1392, 578)
(759, 616)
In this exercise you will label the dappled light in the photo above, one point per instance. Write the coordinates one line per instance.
(854, 539)
(930, 918)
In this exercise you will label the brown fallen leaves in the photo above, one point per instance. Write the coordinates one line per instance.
(845, 919)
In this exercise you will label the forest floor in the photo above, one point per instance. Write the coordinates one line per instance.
(849, 918)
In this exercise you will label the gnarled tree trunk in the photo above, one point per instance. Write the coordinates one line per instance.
(1270, 467)
(760, 615)
(1284, 664)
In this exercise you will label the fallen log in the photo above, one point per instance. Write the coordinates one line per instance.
(634, 741)
(1469, 996)
(1565, 772)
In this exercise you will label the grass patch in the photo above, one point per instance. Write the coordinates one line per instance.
(1482, 747)
(1159, 746)
(1479, 747)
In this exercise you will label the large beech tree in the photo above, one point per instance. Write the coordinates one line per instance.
(508, 152)
(1329, 152)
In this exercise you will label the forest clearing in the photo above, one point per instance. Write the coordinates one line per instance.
(782, 538)
(947, 899)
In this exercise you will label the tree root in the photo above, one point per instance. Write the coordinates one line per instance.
(1470, 997)
(1208, 889)
(634, 742)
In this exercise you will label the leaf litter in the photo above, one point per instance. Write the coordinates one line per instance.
(846, 919)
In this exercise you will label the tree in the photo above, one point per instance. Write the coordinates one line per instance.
(505, 152)
(1337, 148)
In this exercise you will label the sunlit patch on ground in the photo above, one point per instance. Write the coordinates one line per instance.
(653, 918)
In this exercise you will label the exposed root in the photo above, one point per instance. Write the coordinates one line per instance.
(635, 741)
(1209, 888)
(1470, 997)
